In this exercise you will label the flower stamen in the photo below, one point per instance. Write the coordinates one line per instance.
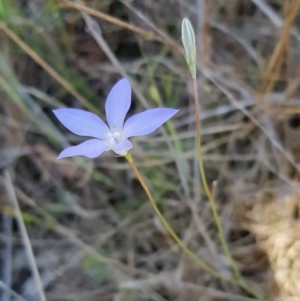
(113, 137)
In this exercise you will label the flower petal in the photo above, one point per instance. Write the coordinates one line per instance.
(118, 103)
(91, 148)
(147, 122)
(82, 123)
(125, 145)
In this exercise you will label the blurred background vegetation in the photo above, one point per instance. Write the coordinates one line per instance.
(93, 233)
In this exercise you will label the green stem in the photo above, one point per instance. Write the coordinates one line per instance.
(240, 282)
(181, 244)
(212, 201)
(206, 187)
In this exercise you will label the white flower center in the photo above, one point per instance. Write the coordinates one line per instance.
(113, 137)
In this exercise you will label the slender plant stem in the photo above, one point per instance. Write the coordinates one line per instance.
(25, 237)
(212, 202)
(206, 187)
(180, 243)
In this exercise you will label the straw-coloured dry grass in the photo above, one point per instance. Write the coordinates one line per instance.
(89, 225)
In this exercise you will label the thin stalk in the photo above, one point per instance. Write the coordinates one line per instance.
(180, 243)
(212, 202)
(25, 237)
(206, 187)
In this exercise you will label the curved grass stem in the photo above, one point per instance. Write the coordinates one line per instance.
(169, 229)
(240, 282)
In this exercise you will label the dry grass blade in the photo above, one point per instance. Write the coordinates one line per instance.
(269, 12)
(213, 77)
(93, 233)
(25, 237)
(95, 31)
(11, 292)
(47, 67)
(274, 66)
(154, 26)
(145, 34)
(6, 268)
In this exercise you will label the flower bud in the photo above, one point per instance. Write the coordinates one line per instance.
(189, 44)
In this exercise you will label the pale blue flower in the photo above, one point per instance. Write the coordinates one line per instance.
(115, 135)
